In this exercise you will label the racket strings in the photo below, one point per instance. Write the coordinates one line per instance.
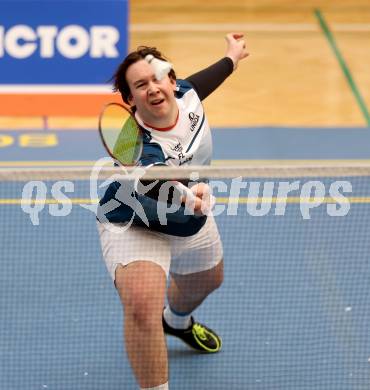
(127, 148)
(120, 134)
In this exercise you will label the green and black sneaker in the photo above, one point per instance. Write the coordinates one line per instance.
(197, 336)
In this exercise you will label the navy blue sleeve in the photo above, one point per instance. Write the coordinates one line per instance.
(176, 223)
(152, 152)
(122, 203)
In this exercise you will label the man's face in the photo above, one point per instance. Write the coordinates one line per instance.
(154, 99)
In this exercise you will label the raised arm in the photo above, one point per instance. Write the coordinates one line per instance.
(207, 80)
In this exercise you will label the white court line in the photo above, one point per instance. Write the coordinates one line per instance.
(182, 27)
(351, 27)
(215, 163)
(259, 27)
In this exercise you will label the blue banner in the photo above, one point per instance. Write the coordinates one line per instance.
(61, 42)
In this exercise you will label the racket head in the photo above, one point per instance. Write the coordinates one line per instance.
(120, 134)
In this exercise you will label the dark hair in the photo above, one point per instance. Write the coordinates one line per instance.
(119, 78)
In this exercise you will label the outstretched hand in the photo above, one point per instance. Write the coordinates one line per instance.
(236, 47)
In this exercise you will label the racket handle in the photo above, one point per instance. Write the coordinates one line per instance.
(191, 199)
(184, 190)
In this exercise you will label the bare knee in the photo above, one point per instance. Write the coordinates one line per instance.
(144, 313)
(142, 292)
(202, 283)
(218, 276)
(212, 282)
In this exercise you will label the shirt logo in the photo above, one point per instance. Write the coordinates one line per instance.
(182, 158)
(177, 148)
(194, 118)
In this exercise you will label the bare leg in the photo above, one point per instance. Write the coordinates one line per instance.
(187, 292)
(141, 286)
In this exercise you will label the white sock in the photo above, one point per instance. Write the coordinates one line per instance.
(177, 320)
(160, 387)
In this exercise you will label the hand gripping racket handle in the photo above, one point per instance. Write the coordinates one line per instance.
(191, 198)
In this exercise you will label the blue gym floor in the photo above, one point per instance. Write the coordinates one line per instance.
(265, 143)
(293, 311)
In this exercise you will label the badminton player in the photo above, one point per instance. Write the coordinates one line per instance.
(187, 250)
